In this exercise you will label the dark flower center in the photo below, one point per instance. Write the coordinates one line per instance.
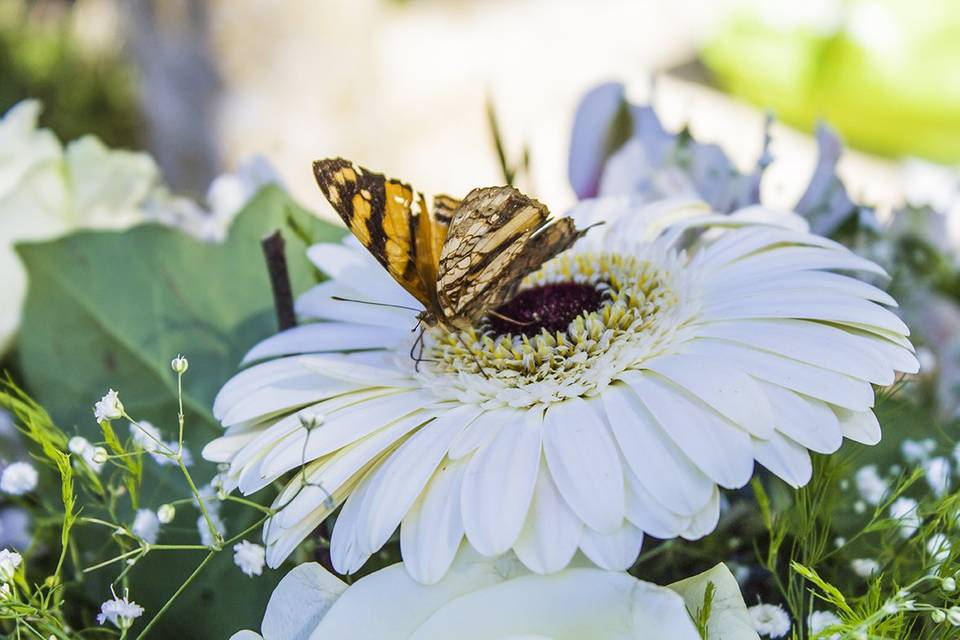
(549, 306)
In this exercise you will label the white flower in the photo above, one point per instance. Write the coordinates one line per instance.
(146, 525)
(5, 593)
(864, 567)
(120, 612)
(166, 513)
(937, 472)
(206, 536)
(938, 546)
(770, 620)
(18, 479)
(249, 557)
(108, 407)
(85, 449)
(870, 485)
(915, 451)
(499, 598)
(904, 510)
(822, 620)
(148, 437)
(9, 561)
(669, 372)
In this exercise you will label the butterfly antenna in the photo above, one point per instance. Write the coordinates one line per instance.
(376, 304)
(476, 360)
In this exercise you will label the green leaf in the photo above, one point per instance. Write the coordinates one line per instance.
(110, 310)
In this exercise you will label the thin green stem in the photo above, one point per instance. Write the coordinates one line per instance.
(183, 587)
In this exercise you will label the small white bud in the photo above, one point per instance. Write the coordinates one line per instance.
(108, 407)
(949, 585)
(166, 513)
(938, 616)
(179, 365)
(100, 455)
(953, 616)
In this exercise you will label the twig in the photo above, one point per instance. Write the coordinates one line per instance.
(279, 280)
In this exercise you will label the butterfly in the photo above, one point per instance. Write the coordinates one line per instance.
(461, 260)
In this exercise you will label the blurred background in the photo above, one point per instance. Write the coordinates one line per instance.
(402, 86)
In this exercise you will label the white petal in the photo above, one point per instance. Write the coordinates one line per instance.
(800, 281)
(342, 427)
(552, 532)
(816, 382)
(785, 458)
(300, 601)
(809, 305)
(721, 450)
(433, 529)
(324, 336)
(334, 300)
(346, 554)
(659, 464)
(731, 392)
(785, 259)
(584, 463)
(804, 420)
(646, 512)
(615, 551)
(859, 426)
(705, 521)
(398, 481)
(499, 484)
(483, 430)
(811, 342)
(735, 245)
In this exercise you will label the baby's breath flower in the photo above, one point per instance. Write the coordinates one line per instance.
(864, 567)
(108, 407)
(179, 365)
(206, 536)
(915, 451)
(146, 525)
(249, 557)
(9, 561)
(937, 472)
(18, 479)
(166, 513)
(83, 448)
(871, 486)
(100, 456)
(769, 620)
(949, 585)
(938, 616)
(904, 510)
(121, 612)
(821, 620)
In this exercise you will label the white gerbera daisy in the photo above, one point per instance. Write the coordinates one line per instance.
(652, 363)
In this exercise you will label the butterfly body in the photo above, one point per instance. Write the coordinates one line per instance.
(461, 260)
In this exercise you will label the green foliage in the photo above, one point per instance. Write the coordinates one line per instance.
(84, 91)
(109, 310)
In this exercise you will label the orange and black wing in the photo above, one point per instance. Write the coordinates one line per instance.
(389, 219)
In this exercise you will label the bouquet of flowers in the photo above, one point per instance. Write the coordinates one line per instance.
(655, 415)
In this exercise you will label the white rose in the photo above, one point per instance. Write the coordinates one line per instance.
(482, 598)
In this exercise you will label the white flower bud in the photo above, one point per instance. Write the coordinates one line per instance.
(179, 365)
(100, 455)
(166, 513)
(938, 616)
(949, 585)
(9, 561)
(108, 407)
(953, 616)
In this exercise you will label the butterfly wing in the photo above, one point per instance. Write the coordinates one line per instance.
(497, 236)
(389, 219)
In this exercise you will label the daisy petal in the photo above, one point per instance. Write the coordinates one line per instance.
(615, 551)
(584, 463)
(552, 532)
